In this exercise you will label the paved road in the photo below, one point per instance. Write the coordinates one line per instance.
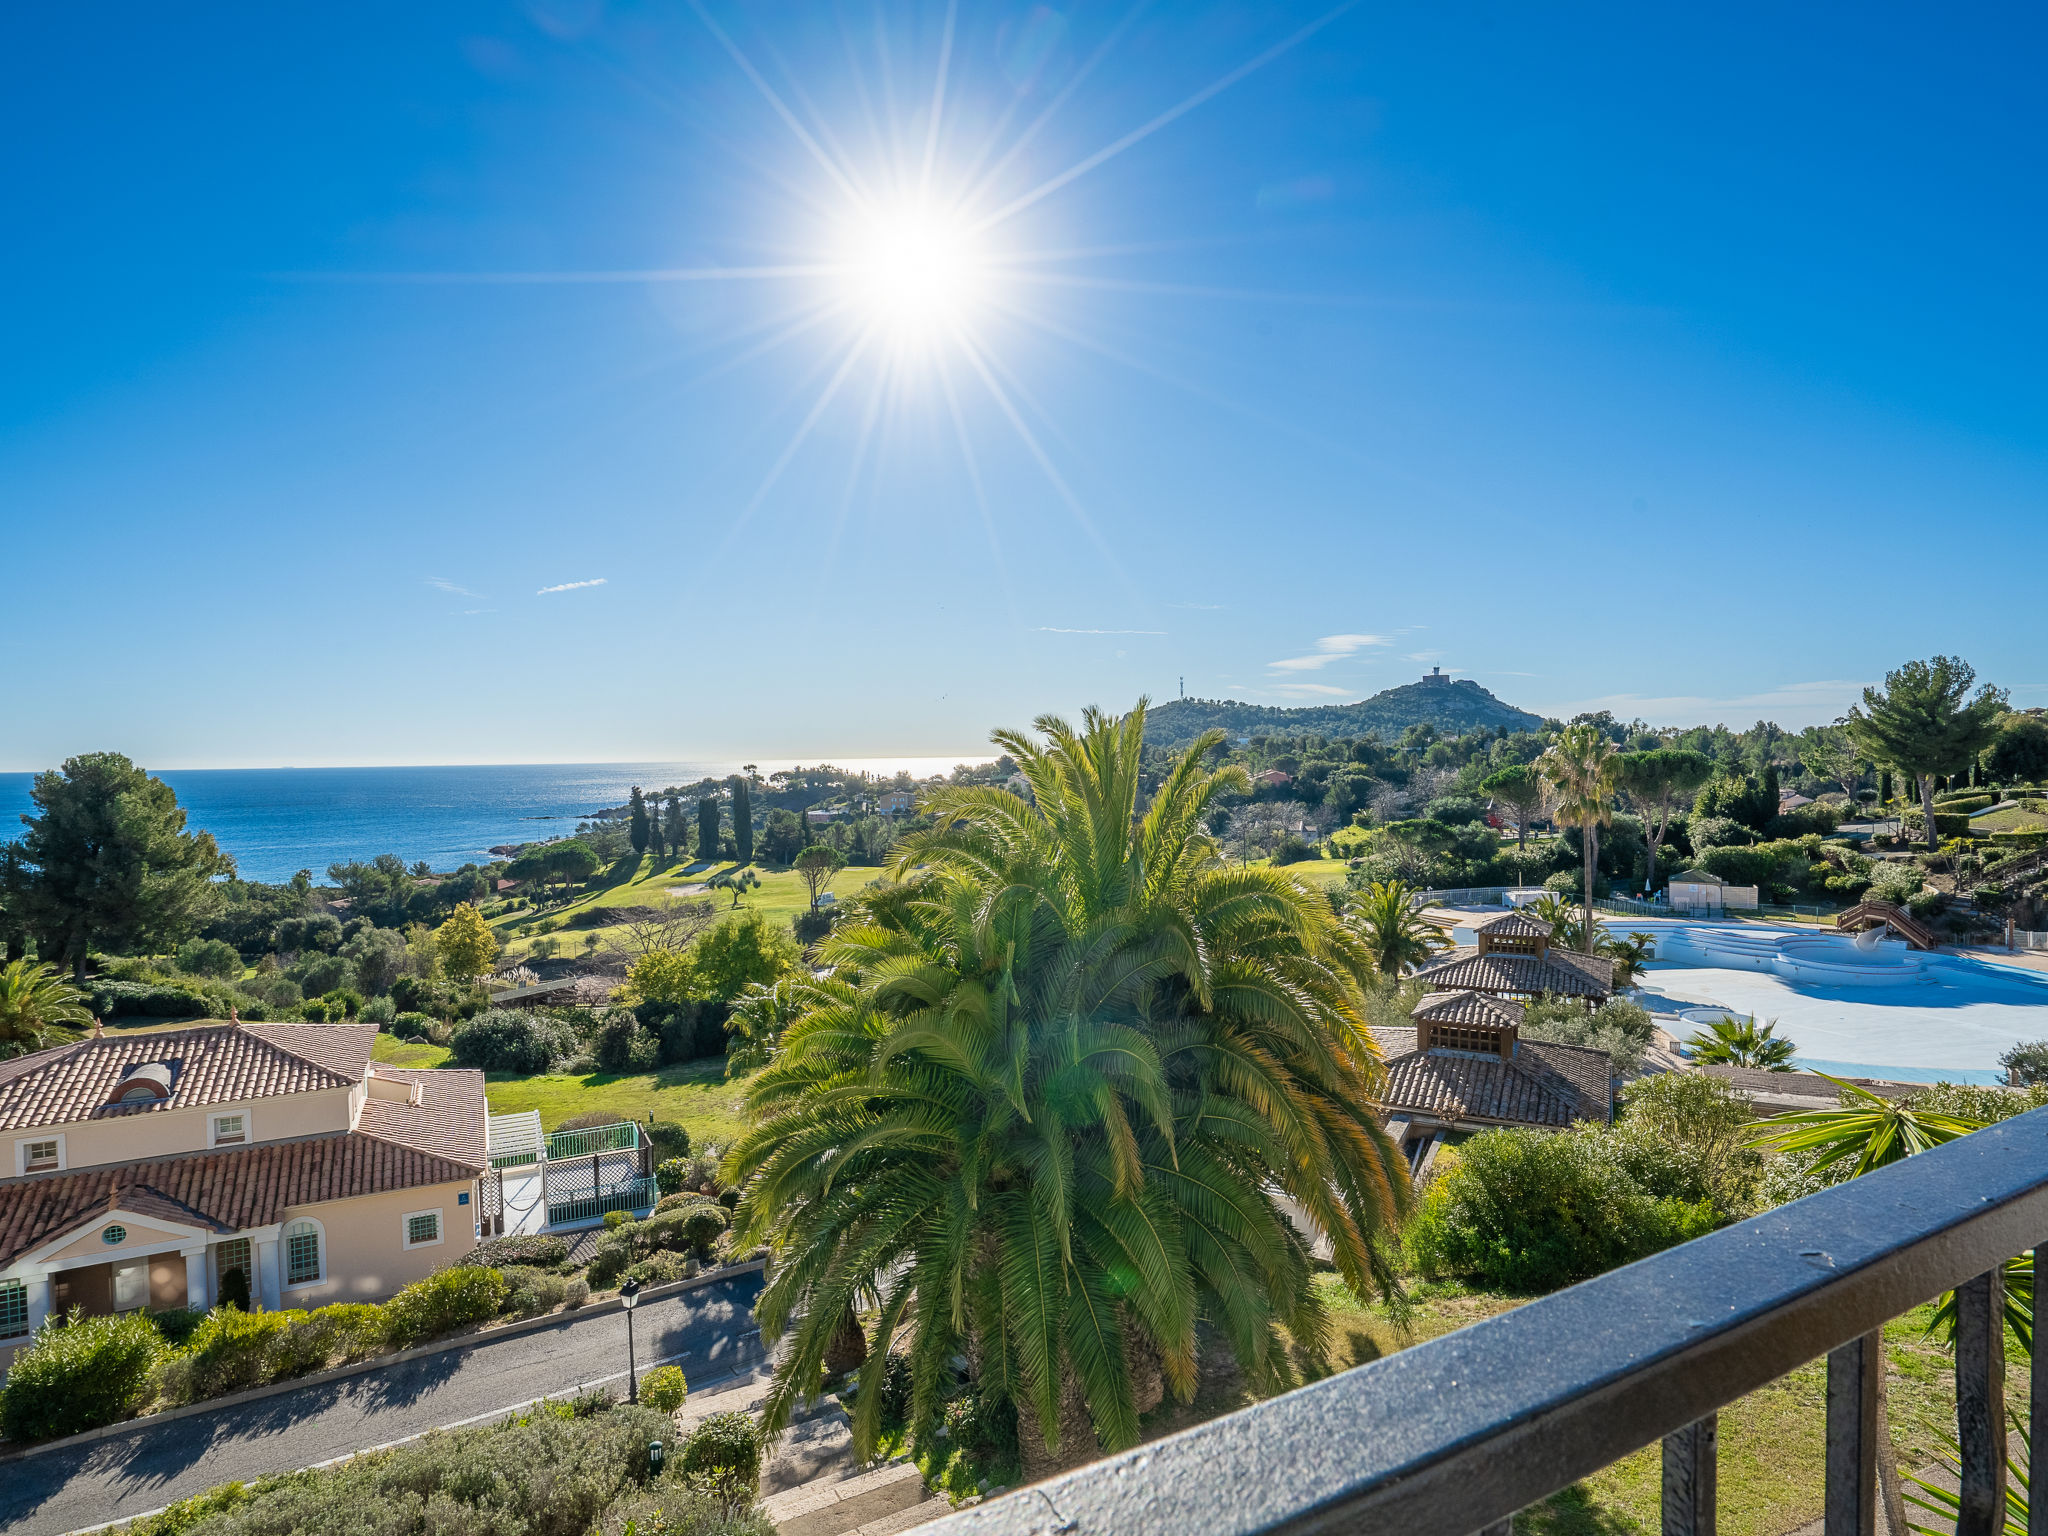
(712, 1329)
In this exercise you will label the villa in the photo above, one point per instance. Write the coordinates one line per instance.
(1512, 957)
(1464, 1067)
(142, 1170)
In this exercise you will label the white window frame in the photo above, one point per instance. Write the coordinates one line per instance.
(213, 1120)
(21, 1153)
(440, 1228)
(284, 1253)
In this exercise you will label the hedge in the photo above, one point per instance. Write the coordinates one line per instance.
(1945, 825)
(520, 1248)
(1963, 804)
(87, 1372)
(2031, 837)
(446, 1300)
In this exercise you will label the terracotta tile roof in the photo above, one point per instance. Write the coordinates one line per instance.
(448, 1121)
(1469, 1008)
(1460, 1086)
(1805, 1085)
(1514, 925)
(223, 1191)
(210, 1064)
(1563, 972)
(1546, 1085)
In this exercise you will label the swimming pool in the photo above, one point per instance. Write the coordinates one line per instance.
(1875, 1009)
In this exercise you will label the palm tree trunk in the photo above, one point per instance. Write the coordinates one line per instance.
(1076, 1429)
(1590, 847)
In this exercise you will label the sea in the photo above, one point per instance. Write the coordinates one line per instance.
(276, 821)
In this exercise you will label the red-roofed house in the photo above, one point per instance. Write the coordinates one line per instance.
(137, 1170)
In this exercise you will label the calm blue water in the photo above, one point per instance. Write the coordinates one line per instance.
(278, 820)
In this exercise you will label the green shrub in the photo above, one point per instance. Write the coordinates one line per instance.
(1963, 801)
(668, 1175)
(664, 1388)
(209, 957)
(667, 1508)
(617, 1218)
(621, 1045)
(114, 999)
(446, 1300)
(536, 1248)
(412, 1025)
(1619, 1027)
(1945, 825)
(1528, 1212)
(177, 1325)
(2031, 837)
(533, 1291)
(509, 1040)
(723, 1456)
(608, 1261)
(88, 1372)
(669, 1139)
(693, 1224)
(577, 1293)
(228, 1351)
(662, 1269)
(1926, 904)
(545, 1474)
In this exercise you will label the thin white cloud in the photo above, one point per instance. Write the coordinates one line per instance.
(571, 586)
(1793, 705)
(443, 584)
(1047, 629)
(1328, 649)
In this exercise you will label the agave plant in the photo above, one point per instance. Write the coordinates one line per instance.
(1742, 1043)
(35, 999)
(1056, 1099)
(1947, 1506)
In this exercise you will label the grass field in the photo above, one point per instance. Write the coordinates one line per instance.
(646, 882)
(2011, 820)
(695, 1095)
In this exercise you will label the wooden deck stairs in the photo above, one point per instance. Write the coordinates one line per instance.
(1869, 914)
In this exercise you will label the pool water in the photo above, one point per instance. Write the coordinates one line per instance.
(1870, 1010)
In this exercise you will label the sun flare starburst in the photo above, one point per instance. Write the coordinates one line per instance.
(914, 270)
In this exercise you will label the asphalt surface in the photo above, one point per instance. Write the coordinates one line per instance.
(710, 1329)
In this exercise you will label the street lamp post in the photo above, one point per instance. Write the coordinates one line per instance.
(629, 1293)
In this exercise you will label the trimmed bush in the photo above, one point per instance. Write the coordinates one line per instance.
(1528, 1212)
(669, 1139)
(1963, 801)
(664, 1388)
(723, 1457)
(2032, 837)
(529, 1248)
(446, 1300)
(1945, 825)
(88, 1372)
(668, 1176)
(231, 1350)
(117, 999)
(621, 1045)
(668, 1508)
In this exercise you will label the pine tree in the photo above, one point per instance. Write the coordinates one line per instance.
(639, 832)
(742, 822)
(707, 828)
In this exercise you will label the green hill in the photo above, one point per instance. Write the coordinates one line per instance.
(1452, 707)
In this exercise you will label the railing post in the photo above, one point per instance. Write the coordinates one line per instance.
(2037, 1421)
(1690, 1459)
(1980, 1403)
(1852, 1437)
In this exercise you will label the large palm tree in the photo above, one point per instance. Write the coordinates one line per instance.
(1393, 931)
(1581, 768)
(34, 998)
(1049, 1102)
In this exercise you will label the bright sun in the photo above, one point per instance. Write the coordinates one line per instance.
(914, 270)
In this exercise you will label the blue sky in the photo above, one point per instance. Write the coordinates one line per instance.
(368, 400)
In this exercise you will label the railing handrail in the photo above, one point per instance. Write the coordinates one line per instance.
(1450, 1436)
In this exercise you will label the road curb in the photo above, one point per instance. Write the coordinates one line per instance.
(379, 1362)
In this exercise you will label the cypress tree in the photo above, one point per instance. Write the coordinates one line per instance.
(639, 831)
(707, 827)
(677, 828)
(742, 822)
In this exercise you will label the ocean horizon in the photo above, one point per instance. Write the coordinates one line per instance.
(277, 821)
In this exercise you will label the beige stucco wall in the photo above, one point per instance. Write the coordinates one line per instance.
(367, 1259)
(166, 1133)
(89, 1248)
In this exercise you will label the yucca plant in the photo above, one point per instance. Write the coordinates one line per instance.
(1047, 1108)
(1947, 1506)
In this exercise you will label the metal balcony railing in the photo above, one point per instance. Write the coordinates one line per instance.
(1455, 1435)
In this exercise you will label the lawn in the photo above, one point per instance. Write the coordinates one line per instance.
(644, 882)
(1772, 1443)
(695, 1094)
(2012, 819)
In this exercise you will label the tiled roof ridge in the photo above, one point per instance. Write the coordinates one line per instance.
(156, 1159)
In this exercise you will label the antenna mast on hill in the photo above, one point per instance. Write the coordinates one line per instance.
(1183, 690)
